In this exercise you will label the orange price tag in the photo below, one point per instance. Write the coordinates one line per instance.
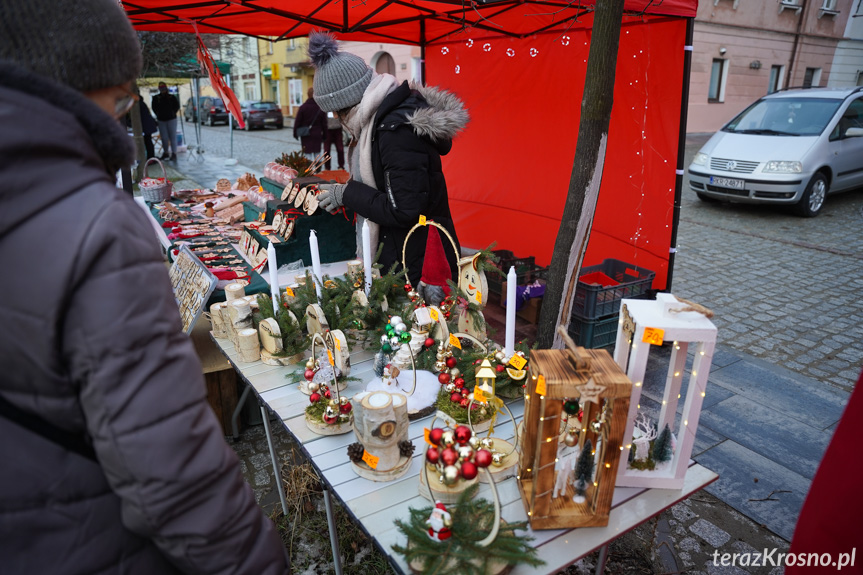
(517, 361)
(289, 292)
(653, 335)
(434, 315)
(330, 357)
(338, 344)
(422, 220)
(426, 433)
(478, 395)
(479, 297)
(454, 341)
(540, 385)
(370, 459)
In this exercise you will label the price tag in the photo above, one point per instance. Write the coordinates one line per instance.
(370, 459)
(426, 434)
(540, 385)
(517, 361)
(454, 341)
(422, 220)
(653, 335)
(479, 395)
(338, 344)
(434, 314)
(330, 357)
(479, 297)
(289, 292)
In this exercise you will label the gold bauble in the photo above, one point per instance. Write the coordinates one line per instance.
(454, 372)
(440, 356)
(314, 386)
(344, 400)
(311, 363)
(487, 442)
(499, 356)
(464, 452)
(474, 442)
(497, 458)
(450, 474)
(440, 367)
(448, 438)
(596, 426)
(571, 438)
(431, 466)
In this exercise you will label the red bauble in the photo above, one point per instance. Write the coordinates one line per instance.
(315, 397)
(435, 435)
(408, 287)
(459, 382)
(328, 394)
(432, 455)
(331, 420)
(468, 470)
(444, 378)
(500, 367)
(309, 375)
(462, 434)
(455, 398)
(482, 458)
(449, 456)
(464, 402)
(429, 342)
(346, 408)
(451, 362)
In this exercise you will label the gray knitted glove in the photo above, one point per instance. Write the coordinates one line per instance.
(330, 198)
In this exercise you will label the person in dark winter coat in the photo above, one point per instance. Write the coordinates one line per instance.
(166, 106)
(310, 115)
(113, 461)
(400, 133)
(148, 127)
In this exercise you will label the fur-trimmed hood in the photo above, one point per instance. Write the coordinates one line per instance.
(444, 117)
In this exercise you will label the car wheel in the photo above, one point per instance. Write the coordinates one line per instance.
(279, 126)
(707, 199)
(812, 201)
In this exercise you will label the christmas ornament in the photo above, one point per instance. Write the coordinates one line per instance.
(451, 362)
(469, 470)
(482, 458)
(436, 435)
(444, 378)
(432, 455)
(571, 406)
(439, 523)
(462, 434)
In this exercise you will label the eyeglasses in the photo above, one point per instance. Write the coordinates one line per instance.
(124, 104)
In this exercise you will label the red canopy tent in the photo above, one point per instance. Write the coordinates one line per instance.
(519, 65)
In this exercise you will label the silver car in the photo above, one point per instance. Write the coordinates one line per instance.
(791, 147)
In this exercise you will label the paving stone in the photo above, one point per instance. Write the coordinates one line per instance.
(260, 461)
(689, 544)
(262, 477)
(710, 533)
(682, 513)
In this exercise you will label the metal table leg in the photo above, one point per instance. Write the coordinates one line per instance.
(334, 538)
(275, 460)
(600, 561)
(236, 416)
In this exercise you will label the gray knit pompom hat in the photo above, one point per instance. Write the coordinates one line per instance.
(341, 78)
(84, 44)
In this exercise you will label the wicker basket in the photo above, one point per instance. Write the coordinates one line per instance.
(158, 192)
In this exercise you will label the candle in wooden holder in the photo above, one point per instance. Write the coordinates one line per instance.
(289, 296)
(249, 345)
(216, 320)
(355, 269)
(234, 291)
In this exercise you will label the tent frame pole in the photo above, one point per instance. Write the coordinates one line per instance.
(681, 150)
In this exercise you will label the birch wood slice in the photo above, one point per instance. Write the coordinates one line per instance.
(295, 189)
(322, 428)
(271, 336)
(341, 352)
(508, 466)
(316, 322)
(288, 229)
(249, 345)
(310, 204)
(234, 291)
(367, 472)
(287, 360)
(217, 321)
(304, 386)
(300, 198)
(447, 494)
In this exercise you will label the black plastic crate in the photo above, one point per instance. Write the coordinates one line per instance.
(594, 300)
(526, 270)
(593, 334)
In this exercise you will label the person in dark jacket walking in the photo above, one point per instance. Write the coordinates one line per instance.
(113, 461)
(166, 106)
(310, 116)
(400, 133)
(148, 127)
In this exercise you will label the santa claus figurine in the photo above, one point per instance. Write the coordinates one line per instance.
(439, 523)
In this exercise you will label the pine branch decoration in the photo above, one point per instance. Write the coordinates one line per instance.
(460, 553)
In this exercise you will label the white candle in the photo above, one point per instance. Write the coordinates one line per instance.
(367, 255)
(509, 347)
(316, 262)
(274, 277)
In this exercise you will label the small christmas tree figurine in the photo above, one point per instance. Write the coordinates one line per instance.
(583, 472)
(662, 446)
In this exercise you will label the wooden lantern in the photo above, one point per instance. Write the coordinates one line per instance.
(592, 377)
(485, 378)
(642, 323)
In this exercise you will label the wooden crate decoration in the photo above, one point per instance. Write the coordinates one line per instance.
(654, 456)
(591, 377)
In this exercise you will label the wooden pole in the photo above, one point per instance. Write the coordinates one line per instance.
(584, 183)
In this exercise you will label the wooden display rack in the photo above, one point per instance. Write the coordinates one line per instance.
(592, 376)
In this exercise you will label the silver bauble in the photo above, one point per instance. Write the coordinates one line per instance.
(450, 474)
(464, 452)
(499, 356)
(314, 386)
(474, 442)
(448, 438)
(454, 372)
(450, 387)
(401, 328)
(395, 321)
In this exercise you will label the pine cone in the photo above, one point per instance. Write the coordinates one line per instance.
(355, 452)
(406, 448)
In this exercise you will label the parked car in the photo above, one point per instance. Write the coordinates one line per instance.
(214, 110)
(261, 114)
(791, 147)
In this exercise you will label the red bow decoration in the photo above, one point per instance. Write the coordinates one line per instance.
(218, 82)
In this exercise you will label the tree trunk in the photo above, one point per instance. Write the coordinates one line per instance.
(584, 183)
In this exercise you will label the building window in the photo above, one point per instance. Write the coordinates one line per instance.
(777, 73)
(860, 77)
(828, 7)
(270, 47)
(247, 48)
(292, 44)
(718, 72)
(812, 77)
(385, 65)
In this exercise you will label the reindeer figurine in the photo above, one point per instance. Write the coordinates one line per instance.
(472, 281)
(646, 433)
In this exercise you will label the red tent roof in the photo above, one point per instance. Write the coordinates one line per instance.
(399, 21)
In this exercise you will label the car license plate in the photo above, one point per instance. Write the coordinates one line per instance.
(727, 182)
(270, 120)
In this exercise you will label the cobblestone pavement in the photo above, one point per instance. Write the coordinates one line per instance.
(784, 288)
